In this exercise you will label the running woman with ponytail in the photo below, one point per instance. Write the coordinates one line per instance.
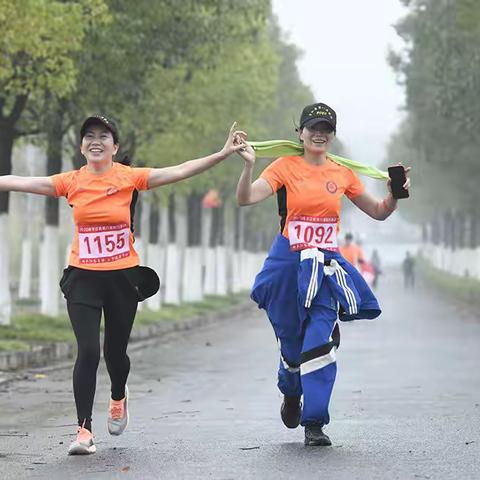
(103, 273)
(305, 284)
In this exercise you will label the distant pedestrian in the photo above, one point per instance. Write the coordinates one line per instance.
(408, 267)
(376, 263)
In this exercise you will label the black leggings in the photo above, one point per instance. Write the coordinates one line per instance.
(88, 293)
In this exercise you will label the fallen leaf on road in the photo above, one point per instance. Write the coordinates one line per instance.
(40, 375)
(125, 469)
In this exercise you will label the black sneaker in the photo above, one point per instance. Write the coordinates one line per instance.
(291, 411)
(314, 436)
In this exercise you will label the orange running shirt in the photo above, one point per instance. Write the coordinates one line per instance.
(102, 211)
(304, 189)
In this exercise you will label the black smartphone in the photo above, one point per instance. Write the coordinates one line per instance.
(398, 178)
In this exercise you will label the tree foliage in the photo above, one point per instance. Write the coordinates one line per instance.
(174, 74)
(37, 46)
(440, 68)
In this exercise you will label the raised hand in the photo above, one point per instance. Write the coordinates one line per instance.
(234, 141)
(247, 152)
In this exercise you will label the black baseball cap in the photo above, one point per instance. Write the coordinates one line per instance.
(102, 120)
(318, 112)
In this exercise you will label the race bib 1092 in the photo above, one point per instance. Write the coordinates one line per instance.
(308, 231)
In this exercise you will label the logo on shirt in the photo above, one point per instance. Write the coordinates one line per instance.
(111, 191)
(332, 187)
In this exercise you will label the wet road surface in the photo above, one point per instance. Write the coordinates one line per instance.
(204, 404)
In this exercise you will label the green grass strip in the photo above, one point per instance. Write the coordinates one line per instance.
(461, 288)
(34, 328)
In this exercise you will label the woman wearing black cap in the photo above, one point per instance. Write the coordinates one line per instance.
(103, 272)
(304, 279)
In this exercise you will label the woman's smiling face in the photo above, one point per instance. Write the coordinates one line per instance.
(98, 144)
(318, 137)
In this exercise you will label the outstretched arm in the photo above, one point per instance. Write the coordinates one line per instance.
(249, 193)
(39, 185)
(379, 209)
(175, 173)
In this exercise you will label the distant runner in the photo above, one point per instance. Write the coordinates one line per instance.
(352, 251)
(408, 267)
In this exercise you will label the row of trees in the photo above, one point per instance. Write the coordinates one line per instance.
(175, 75)
(453, 230)
(440, 70)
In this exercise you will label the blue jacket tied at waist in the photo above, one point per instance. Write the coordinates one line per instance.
(312, 277)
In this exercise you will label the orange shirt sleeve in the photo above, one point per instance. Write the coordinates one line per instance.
(62, 182)
(355, 186)
(273, 174)
(140, 177)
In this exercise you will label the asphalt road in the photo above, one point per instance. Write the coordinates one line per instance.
(204, 405)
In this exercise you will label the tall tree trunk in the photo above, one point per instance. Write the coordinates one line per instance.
(25, 286)
(208, 260)
(217, 240)
(154, 224)
(51, 245)
(192, 268)
(217, 236)
(145, 221)
(474, 230)
(436, 230)
(172, 227)
(7, 137)
(154, 253)
(194, 219)
(173, 259)
(249, 232)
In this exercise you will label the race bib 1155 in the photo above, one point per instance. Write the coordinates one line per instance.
(103, 243)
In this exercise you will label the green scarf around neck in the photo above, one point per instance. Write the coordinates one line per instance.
(287, 148)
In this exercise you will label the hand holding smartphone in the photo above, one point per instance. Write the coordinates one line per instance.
(398, 178)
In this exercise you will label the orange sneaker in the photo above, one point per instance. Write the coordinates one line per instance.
(118, 415)
(83, 445)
